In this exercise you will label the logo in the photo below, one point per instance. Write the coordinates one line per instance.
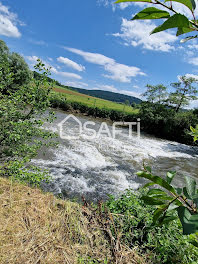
(72, 128)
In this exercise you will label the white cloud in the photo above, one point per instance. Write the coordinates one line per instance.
(131, 93)
(193, 104)
(9, 22)
(116, 71)
(124, 5)
(95, 58)
(77, 84)
(193, 60)
(193, 46)
(122, 73)
(33, 60)
(71, 64)
(38, 42)
(111, 88)
(137, 33)
(66, 74)
(105, 87)
(136, 86)
(111, 3)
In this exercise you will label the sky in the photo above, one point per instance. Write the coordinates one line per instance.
(93, 44)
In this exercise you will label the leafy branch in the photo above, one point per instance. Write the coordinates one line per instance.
(173, 18)
(183, 200)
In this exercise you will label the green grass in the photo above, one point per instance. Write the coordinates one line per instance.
(73, 96)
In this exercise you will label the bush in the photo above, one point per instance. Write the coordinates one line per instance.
(59, 101)
(164, 122)
(164, 244)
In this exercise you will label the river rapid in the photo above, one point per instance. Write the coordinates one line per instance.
(94, 168)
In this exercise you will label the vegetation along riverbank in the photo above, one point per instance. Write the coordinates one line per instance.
(132, 228)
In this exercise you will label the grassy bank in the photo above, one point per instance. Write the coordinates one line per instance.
(59, 100)
(90, 101)
(39, 228)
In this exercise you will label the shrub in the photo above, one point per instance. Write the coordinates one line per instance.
(164, 244)
(163, 122)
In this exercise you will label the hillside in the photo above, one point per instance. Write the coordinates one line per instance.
(93, 102)
(111, 96)
(106, 95)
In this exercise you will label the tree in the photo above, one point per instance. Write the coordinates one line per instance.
(155, 93)
(3, 48)
(21, 119)
(173, 19)
(20, 70)
(19, 73)
(127, 102)
(184, 93)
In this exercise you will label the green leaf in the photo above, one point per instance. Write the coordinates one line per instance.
(195, 200)
(174, 21)
(148, 184)
(190, 186)
(167, 219)
(183, 30)
(186, 193)
(157, 180)
(151, 201)
(173, 206)
(158, 212)
(189, 3)
(151, 13)
(155, 191)
(161, 197)
(148, 168)
(179, 191)
(189, 221)
(170, 175)
(194, 243)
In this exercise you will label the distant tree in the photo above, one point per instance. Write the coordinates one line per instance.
(127, 102)
(155, 93)
(184, 93)
(133, 104)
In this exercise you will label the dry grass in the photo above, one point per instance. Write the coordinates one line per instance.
(41, 229)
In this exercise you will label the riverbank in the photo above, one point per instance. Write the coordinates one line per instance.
(156, 120)
(39, 228)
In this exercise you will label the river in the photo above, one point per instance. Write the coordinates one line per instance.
(96, 167)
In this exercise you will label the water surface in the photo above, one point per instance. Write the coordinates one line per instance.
(94, 168)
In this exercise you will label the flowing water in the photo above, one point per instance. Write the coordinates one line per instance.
(94, 168)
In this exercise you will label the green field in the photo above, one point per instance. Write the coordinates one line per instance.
(73, 96)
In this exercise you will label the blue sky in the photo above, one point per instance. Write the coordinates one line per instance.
(93, 44)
